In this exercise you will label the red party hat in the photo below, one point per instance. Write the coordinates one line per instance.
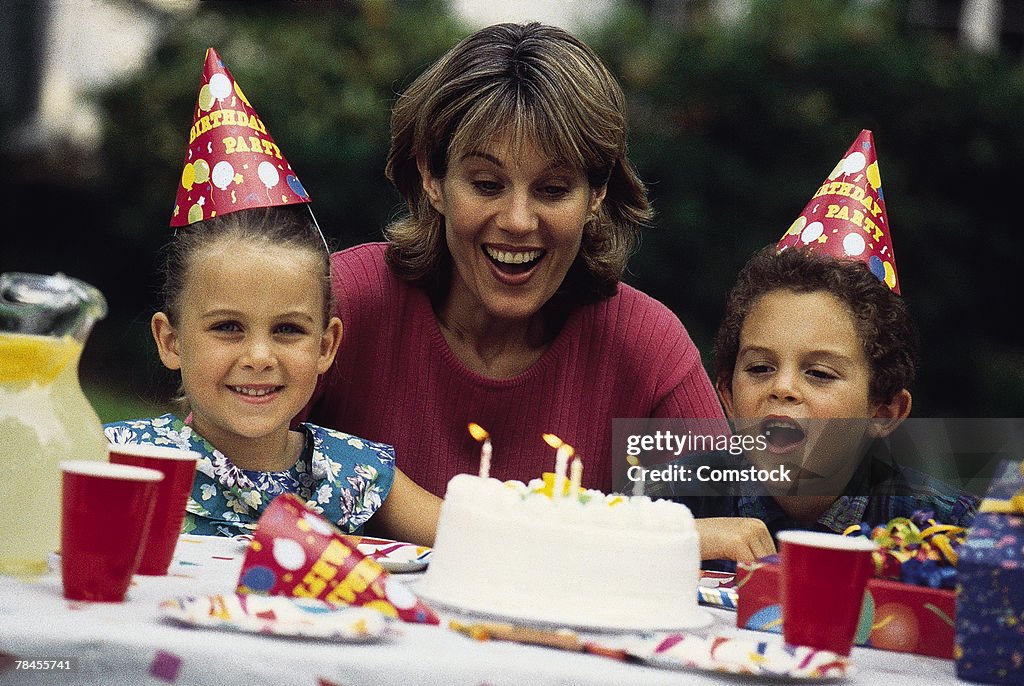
(231, 163)
(297, 552)
(846, 216)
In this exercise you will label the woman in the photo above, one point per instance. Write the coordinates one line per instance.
(498, 300)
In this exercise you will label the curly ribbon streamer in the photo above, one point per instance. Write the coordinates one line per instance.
(915, 549)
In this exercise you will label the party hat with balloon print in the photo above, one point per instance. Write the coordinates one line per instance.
(846, 216)
(232, 162)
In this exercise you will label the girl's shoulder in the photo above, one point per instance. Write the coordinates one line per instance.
(166, 429)
(339, 446)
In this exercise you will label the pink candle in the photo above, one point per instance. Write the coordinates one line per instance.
(480, 434)
(485, 459)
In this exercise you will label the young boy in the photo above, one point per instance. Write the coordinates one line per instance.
(817, 355)
(814, 358)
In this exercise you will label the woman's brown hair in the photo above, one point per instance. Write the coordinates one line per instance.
(528, 82)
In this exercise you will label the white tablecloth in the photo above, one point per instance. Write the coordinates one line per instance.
(131, 643)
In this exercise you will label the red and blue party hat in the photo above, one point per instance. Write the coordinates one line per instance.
(232, 162)
(846, 217)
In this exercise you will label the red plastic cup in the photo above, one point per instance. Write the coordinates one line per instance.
(824, 577)
(105, 513)
(178, 468)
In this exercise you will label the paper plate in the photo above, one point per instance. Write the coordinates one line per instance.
(730, 655)
(542, 618)
(277, 616)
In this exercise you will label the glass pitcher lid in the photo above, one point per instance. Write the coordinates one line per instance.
(49, 305)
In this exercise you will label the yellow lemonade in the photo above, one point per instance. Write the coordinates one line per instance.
(44, 419)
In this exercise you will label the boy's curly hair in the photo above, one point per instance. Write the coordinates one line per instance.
(886, 330)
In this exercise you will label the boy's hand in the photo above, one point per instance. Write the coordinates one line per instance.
(742, 539)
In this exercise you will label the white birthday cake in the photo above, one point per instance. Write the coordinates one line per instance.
(595, 561)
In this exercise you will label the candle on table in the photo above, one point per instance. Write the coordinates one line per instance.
(480, 434)
(561, 467)
(485, 459)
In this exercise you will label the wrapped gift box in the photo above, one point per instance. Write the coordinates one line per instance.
(990, 603)
(895, 615)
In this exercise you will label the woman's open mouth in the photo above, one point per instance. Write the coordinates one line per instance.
(513, 262)
(782, 434)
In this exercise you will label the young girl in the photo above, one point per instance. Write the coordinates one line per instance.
(247, 321)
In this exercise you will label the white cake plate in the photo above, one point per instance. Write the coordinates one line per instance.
(695, 619)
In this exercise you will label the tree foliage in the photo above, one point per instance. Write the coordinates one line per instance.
(322, 77)
(734, 125)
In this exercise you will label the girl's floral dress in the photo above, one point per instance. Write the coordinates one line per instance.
(343, 477)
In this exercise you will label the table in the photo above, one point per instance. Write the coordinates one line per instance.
(131, 643)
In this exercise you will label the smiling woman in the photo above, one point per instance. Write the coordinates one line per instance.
(513, 225)
(497, 299)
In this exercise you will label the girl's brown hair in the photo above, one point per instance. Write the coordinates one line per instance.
(284, 225)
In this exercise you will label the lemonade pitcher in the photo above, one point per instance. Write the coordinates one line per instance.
(44, 416)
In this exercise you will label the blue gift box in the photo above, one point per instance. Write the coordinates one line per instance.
(990, 589)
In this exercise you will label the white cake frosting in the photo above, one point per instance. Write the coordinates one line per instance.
(600, 561)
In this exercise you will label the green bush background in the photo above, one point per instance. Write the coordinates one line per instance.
(733, 125)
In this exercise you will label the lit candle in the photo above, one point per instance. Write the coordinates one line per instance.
(562, 454)
(575, 477)
(485, 459)
(480, 434)
(561, 467)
